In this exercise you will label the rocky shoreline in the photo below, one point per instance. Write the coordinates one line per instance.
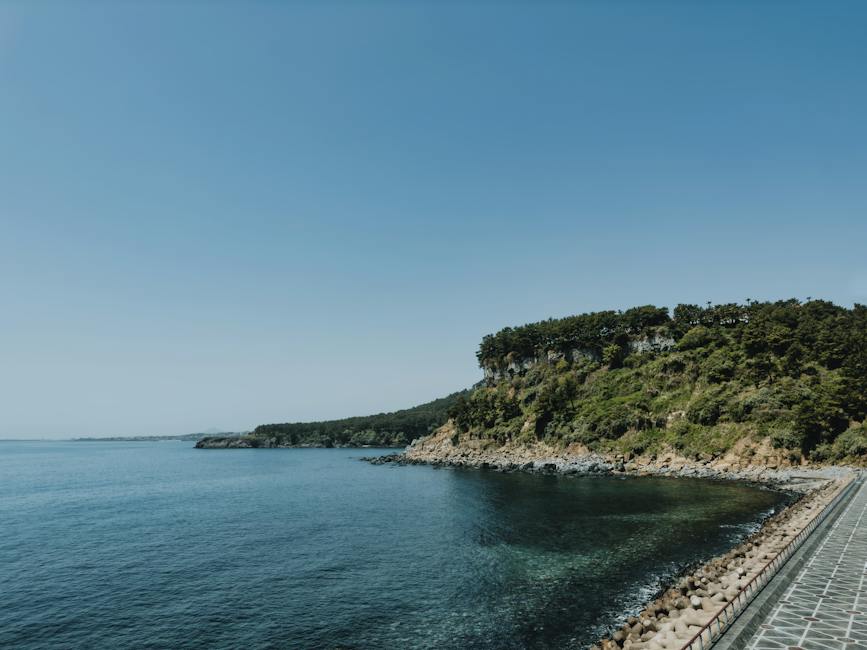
(800, 480)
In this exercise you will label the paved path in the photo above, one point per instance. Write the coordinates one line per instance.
(825, 608)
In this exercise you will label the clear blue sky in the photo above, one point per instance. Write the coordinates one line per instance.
(223, 214)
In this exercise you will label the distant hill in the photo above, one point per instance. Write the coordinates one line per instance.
(183, 436)
(394, 429)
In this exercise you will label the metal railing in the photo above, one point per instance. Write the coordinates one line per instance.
(719, 623)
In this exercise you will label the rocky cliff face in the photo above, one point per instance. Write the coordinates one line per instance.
(653, 343)
(645, 343)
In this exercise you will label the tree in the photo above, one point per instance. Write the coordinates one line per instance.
(613, 355)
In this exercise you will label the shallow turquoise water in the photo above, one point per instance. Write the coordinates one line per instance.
(159, 545)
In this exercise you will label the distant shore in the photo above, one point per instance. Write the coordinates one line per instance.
(145, 438)
(250, 442)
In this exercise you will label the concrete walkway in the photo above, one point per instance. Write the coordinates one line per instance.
(825, 607)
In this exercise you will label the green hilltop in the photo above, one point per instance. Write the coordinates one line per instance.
(697, 381)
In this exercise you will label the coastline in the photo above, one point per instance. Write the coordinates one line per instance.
(799, 481)
(763, 467)
(679, 610)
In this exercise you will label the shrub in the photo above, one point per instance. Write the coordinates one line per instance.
(698, 337)
(823, 453)
(719, 366)
(706, 410)
(852, 442)
(786, 438)
(818, 420)
(613, 355)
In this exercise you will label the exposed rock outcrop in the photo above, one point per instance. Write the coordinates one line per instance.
(517, 366)
(653, 343)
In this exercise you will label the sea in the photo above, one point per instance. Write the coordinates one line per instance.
(160, 545)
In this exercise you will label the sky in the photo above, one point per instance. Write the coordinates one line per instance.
(217, 215)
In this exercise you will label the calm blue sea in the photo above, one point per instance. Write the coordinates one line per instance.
(159, 545)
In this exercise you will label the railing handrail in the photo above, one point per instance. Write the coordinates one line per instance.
(799, 538)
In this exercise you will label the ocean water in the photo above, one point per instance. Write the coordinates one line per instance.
(159, 545)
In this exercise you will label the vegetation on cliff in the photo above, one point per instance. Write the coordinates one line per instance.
(791, 372)
(394, 429)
